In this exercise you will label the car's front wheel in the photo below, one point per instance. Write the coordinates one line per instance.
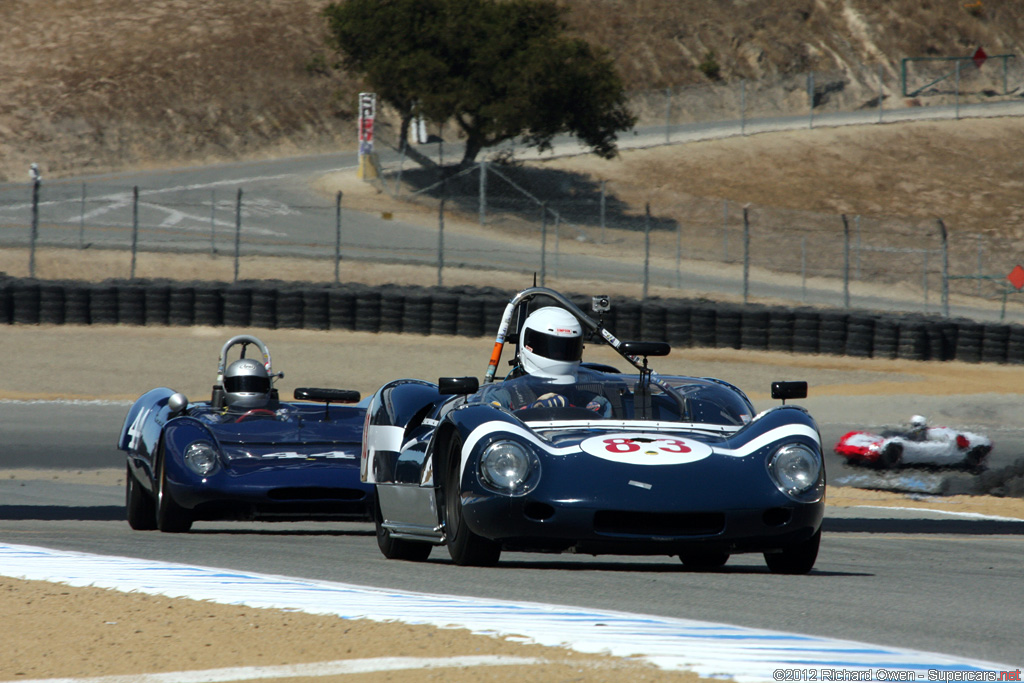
(397, 548)
(798, 558)
(465, 547)
(139, 506)
(891, 456)
(170, 517)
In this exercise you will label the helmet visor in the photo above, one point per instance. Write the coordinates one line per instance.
(251, 384)
(553, 347)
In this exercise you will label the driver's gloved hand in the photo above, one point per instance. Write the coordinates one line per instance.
(550, 401)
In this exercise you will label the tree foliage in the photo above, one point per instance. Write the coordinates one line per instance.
(499, 70)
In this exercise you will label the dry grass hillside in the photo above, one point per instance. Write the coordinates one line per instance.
(98, 85)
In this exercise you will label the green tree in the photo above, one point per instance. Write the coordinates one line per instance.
(499, 70)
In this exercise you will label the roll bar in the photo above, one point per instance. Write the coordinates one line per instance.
(527, 295)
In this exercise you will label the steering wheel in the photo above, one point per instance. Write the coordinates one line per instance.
(255, 411)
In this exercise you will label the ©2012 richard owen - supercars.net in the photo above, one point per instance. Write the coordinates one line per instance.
(562, 455)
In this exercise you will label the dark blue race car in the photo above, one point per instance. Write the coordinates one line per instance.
(630, 463)
(244, 454)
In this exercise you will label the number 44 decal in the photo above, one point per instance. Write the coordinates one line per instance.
(645, 449)
(135, 430)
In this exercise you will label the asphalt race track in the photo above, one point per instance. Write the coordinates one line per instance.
(905, 579)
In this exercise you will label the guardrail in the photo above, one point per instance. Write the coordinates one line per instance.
(475, 312)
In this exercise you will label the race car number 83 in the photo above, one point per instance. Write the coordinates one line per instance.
(645, 449)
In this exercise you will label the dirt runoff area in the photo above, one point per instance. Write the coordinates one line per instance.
(50, 630)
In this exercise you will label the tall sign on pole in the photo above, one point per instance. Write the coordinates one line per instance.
(367, 113)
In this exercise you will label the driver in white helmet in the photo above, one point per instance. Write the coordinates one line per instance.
(918, 428)
(550, 351)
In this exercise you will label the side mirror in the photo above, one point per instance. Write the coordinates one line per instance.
(635, 348)
(460, 386)
(787, 390)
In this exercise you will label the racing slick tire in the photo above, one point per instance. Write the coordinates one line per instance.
(703, 562)
(890, 456)
(466, 548)
(397, 548)
(170, 517)
(798, 558)
(975, 457)
(139, 507)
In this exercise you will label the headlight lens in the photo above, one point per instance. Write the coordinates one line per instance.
(201, 457)
(508, 467)
(795, 469)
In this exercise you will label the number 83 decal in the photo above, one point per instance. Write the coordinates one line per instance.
(645, 449)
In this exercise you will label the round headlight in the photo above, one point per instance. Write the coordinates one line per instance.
(507, 467)
(201, 457)
(795, 468)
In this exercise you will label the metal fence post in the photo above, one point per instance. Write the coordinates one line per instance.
(846, 262)
(483, 192)
(945, 268)
(856, 222)
(958, 90)
(746, 253)
(543, 241)
(81, 221)
(725, 230)
(238, 230)
(743, 107)
(647, 248)
(881, 94)
(679, 255)
(803, 269)
(34, 232)
(440, 242)
(135, 228)
(925, 277)
(668, 113)
(810, 97)
(213, 222)
(337, 238)
(558, 253)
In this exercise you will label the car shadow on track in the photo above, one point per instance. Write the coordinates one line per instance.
(282, 532)
(751, 565)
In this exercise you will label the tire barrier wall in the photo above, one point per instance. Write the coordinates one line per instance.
(476, 312)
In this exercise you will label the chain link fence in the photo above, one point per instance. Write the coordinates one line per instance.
(563, 225)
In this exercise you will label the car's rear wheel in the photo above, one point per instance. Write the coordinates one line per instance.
(704, 561)
(170, 517)
(975, 457)
(465, 547)
(798, 558)
(139, 506)
(397, 548)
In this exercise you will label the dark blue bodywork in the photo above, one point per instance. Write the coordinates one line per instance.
(297, 461)
(609, 463)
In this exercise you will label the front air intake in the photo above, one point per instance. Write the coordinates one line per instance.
(669, 524)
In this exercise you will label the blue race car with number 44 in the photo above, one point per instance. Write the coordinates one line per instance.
(564, 455)
(244, 454)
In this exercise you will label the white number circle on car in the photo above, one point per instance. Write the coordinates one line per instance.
(645, 449)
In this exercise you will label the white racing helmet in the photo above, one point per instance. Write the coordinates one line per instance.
(246, 384)
(551, 344)
(918, 422)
